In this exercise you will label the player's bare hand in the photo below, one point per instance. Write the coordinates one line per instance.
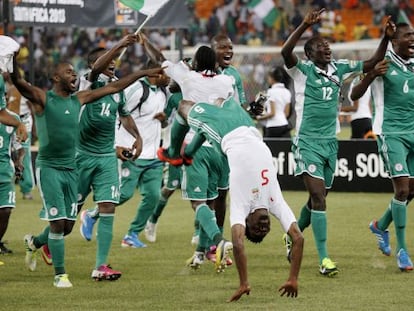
(136, 148)
(381, 67)
(155, 72)
(21, 133)
(290, 289)
(123, 153)
(313, 17)
(243, 289)
(128, 40)
(389, 27)
(160, 116)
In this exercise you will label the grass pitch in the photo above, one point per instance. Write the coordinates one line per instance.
(156, 278)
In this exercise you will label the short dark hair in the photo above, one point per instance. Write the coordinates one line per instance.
(205, 59)
(399, 26)
(93, 55)
(252, 238)
(309, 45)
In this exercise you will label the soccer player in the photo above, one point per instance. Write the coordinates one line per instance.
(7, 180)
(96, 158)
(172, 175)
(57, 119)
(254, 189)
(317, 85)
(392, 88)
(144, 173)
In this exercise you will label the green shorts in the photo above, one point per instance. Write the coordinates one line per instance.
(172, 177)
(316, 157)
(100, 175)
(200, 180)
(59, 192)
(397, 154)
(7, 195)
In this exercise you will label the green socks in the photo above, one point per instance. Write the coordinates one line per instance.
(56, 243)
(399, 214)
(319, 228)
(386, 219)
(104, 238)
(207, 220)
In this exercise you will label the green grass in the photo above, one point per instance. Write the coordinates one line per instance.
(156, 278)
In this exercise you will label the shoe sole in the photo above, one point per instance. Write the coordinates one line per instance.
(83, 213)
(112, 277)
(126, 245)
(173, 162)
(329, 273)
(45, 257)
(222, 264)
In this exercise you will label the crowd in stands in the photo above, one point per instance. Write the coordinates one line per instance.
(236, 18)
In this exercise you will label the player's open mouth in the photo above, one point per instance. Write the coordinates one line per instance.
(411, 49)
(227, 58)
(73, 83)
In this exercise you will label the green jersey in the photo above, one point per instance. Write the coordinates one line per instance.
(172, 104)
(215, 122)
(98, 120)
(393, 96)
(58, 131)
(6, 140)
(239, 93)
(3, 101)
(317, 96)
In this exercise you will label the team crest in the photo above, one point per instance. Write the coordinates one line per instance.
(9, 129)
(53, 211)
(116, 97)
(398, 167)
(125, 172)
(312, 168)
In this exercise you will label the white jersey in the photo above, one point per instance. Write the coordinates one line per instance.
(281, 97)
(149, 128)
(255, 185)
(364, 110)
(198, 86)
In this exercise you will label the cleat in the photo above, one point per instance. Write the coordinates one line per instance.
(382, 238)
(1, 263)
(196, 260)
(211, 255)
(150, 232)
(163, 155)
(4, 250)
(287, 241)
(403, 260)
(222, 253)
(187, 160)
(62, 281)
(105, 272)
(86, 226)
(46, 255)
(30, 258)
(328, 267)
(132, 241)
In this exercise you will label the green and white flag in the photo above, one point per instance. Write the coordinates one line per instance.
(266, 10)
(147, 7)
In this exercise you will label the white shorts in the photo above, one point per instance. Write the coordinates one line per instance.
(253, 183)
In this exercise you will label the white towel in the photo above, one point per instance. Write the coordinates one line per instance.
(8, 47)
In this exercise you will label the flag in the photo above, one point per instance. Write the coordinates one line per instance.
(147, 7)
(266, 10)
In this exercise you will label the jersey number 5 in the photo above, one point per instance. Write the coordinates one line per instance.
(265, 179)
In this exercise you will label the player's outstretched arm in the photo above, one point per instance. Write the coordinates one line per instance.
(237, 234)
(310, 19)
(290, 287)
(129, 124)
(389, 30)
(88, 96)
(35, 95)
(103, 62)
(359, 89)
